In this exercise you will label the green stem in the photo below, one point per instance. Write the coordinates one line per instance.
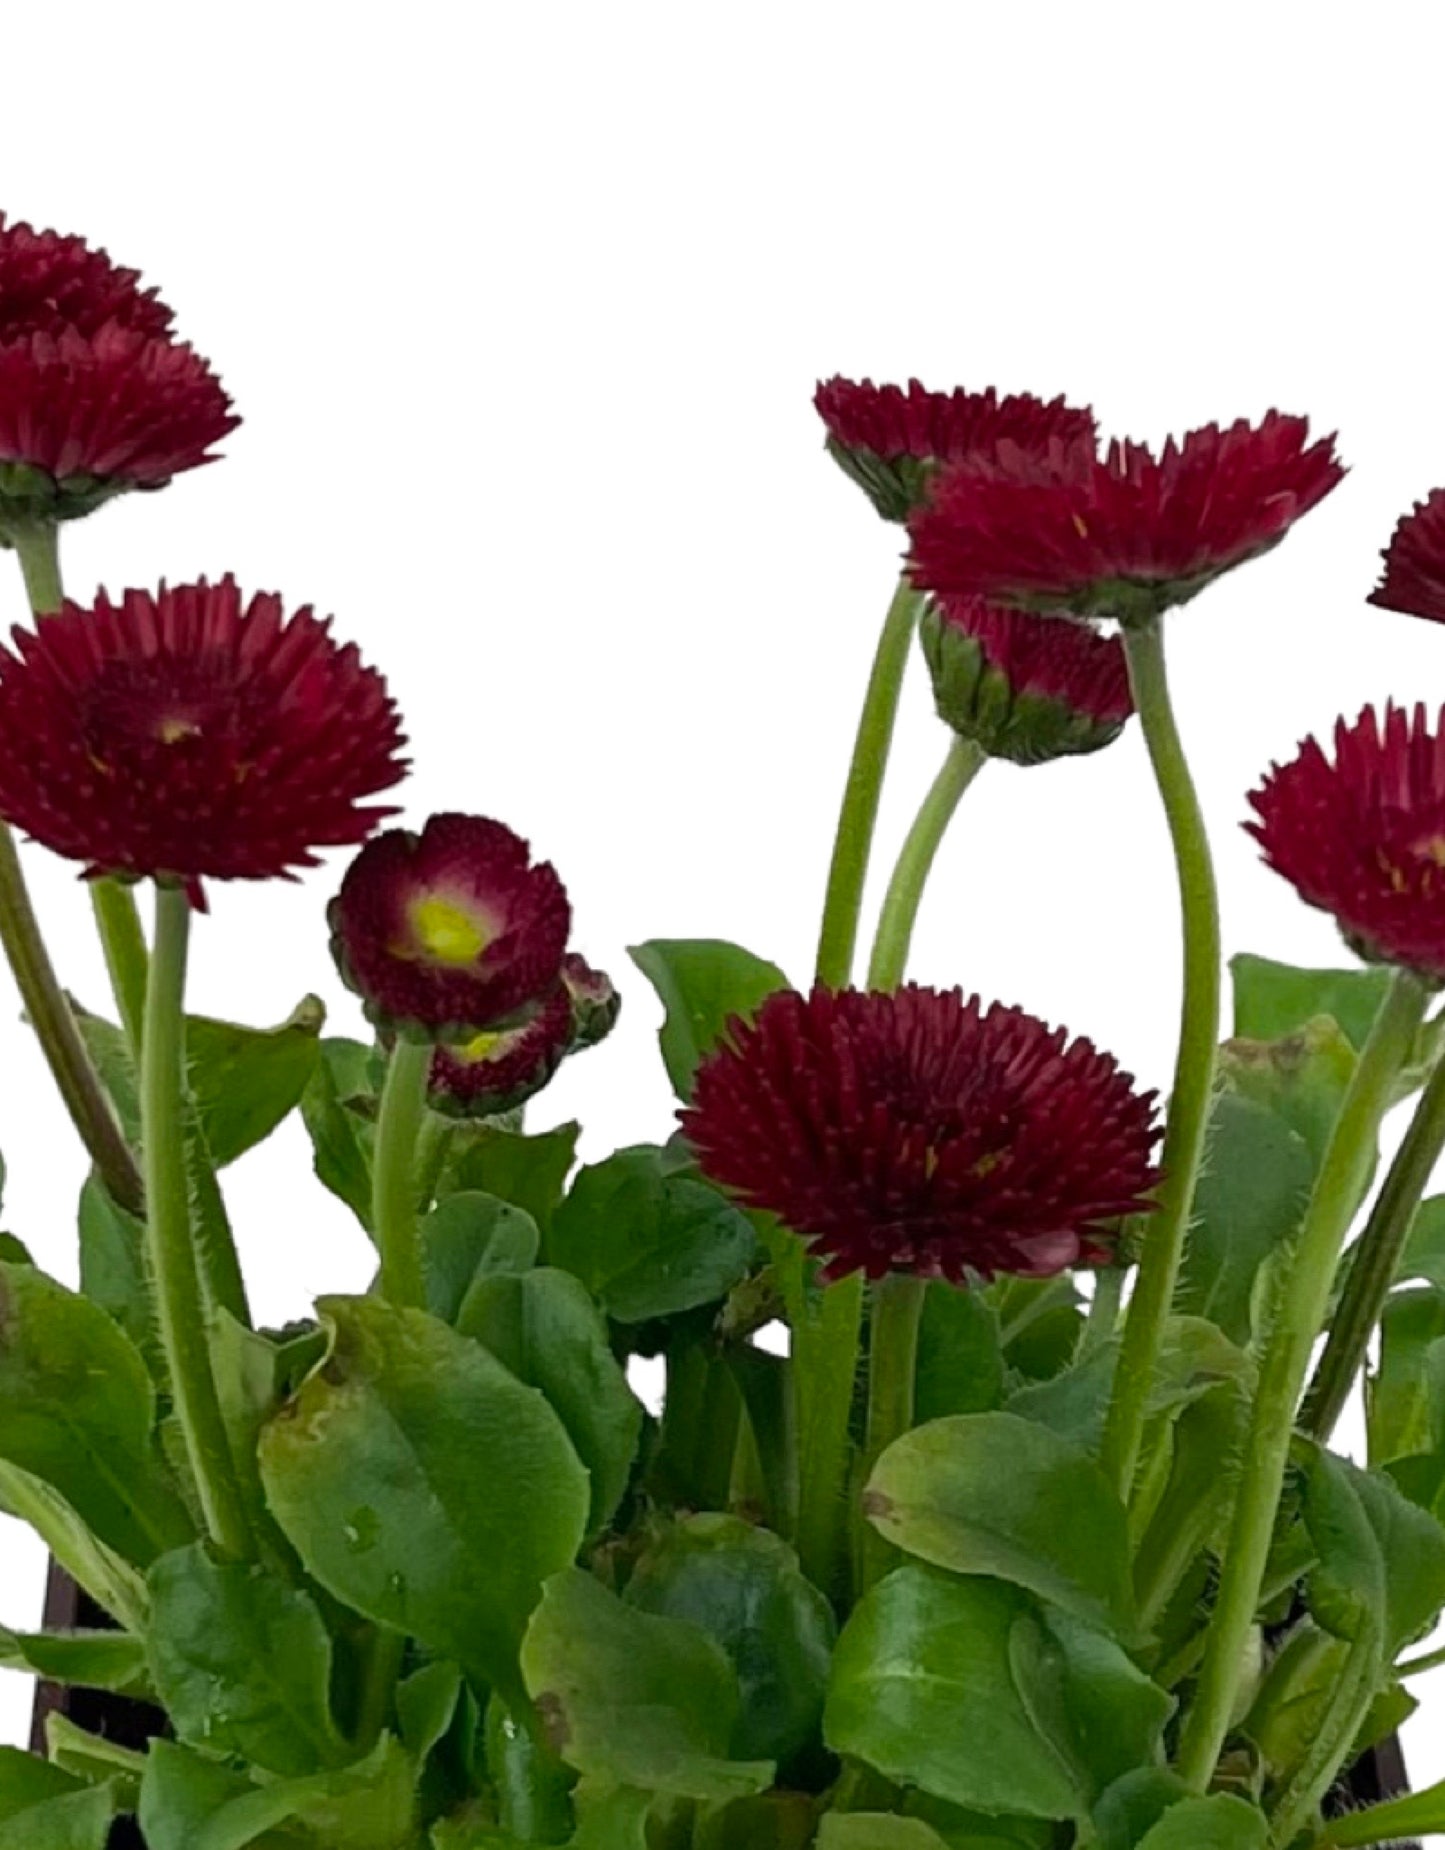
(180, 1305)
(1417, 1666)
(915, 863)
(892, 1375)
(859, 813)
(826, 1348)
(1189, 1105)
(1302, 1304)
(382, 1659)
(51, 1017)
(37, 547)
(127, 959)
(394, 1211)
(1376, 1261)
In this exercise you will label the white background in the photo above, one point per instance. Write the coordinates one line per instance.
(523, 307)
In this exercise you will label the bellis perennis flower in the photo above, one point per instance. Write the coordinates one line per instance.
(185, 735)
(1414, 575)
(450, 932)
(890, 441)
(1024, 687)
(915, 1131)
(1362, 836)
(1124, 536)
(95, 394)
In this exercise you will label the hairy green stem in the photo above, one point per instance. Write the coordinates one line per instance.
(826, 1349)
(915, 863)
(1417, 1666)
(1103, 1318)
(394, 1208)
(53, 1020)
(892, 1374)
(859, 813)
(1189, 1105)
(37, 547)
(180, 1304)
(1376, 1261)
(1301, 1306)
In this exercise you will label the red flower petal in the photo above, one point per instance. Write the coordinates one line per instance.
(1414, 576)
(1125, 536)
(49, 283)
(1363, 837)
(916, 1131)
(181, 736)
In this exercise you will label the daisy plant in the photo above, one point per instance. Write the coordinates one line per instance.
(988, 1501)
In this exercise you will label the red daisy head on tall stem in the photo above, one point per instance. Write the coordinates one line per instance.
(450, 932)
(1414, 576)
(890, 440)
(185, 735)
(1024, 687)
(96, 396)
(1123, 536)
(1362, 835)
(49, 282)
(918, 1132)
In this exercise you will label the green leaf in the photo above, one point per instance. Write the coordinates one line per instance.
(742, 1587)
(1133, 1805)
(183, 1794)
(426, 1701)
(91, 1660)
(647, 1702)
(1405, 1400)
(77, 1410)
(702, 983)
(1256, 1181)
(973, 1691)
(1294, 1697)
(769, 1821)
(529, 1171)
(1417, 1814)
(610, 1818)
(26, 1780)
(1073, 1403)
(545, 1328)
(424, 1485)
(113, 1270)
(44, 1808)
(341, 1137)
(1194, 1500)
(1301, 1078)
(1272, 1000)
(1381, 1561)
(469, 1236)
(1039, 1323)
(990, 1493)
(242, 1663)
(872, 1830)
(13, 1251)
(648, 1242)
(1221, 1822)
(960, 1354)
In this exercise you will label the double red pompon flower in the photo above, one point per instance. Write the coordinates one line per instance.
(1414, 576)
(916, 1131)
(1124, 536)
(186, 736)
(891, 441)
(1363, 836)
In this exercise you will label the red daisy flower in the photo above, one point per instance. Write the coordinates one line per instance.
(49, 282)
(83, 418)
(451, 931)
(889, 441)
(501, 1068)
(916, 1131)
(182, 736)
(1125, 536)
(1024, 687)
(1414, 575)
(1363, 836)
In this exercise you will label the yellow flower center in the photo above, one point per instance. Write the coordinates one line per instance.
(447, 933)
(171, 731)
(1432, 849)
(480, 1047)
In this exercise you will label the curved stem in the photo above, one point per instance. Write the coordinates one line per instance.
(180, 1306)
(1189, 1104)
(394, 1212)
(859, 814)
(127, 958)
(915, 862)
(51, 1017)
(1302, 1304)
(1376, 1261)
(892, 1375)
